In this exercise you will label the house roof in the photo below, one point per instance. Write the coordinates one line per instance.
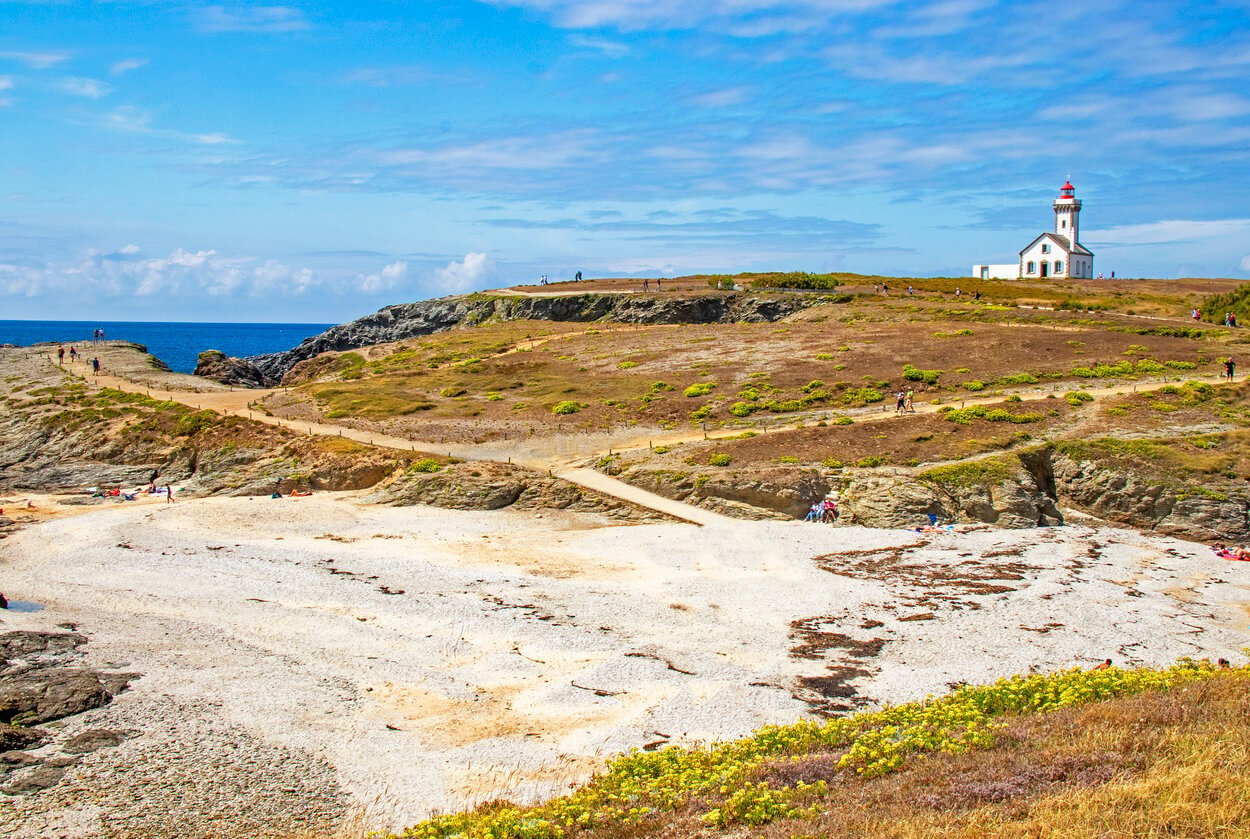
(1061, 241)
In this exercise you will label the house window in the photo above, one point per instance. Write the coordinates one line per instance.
(1063, 223)
(1058, 266)
(1032, 268)
(1045, 248)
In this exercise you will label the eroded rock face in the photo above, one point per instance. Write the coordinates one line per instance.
(486, 485)
(411, 320)
(216, 365)
(890, 502)
(1218, 512)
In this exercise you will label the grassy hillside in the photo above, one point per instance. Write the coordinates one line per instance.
(1076, 753)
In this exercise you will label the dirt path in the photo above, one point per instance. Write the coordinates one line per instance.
(562, 452)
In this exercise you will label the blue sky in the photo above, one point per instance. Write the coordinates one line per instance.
(192, 161)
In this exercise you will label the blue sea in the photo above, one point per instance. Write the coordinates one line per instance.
(176, 344)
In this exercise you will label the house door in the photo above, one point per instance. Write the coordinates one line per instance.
(985, 272)
(1045, 268)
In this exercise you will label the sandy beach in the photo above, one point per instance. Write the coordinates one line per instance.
(334, 660)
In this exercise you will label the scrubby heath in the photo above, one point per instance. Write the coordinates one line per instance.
(1085, 749)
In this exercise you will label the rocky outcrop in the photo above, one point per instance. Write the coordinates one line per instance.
(1013, 500)
(763, 493)
(411, 320)
(216, 365)
(41, 681)
(485, 485)
(1217, 511)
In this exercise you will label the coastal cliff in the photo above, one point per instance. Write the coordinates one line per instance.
(411, 320)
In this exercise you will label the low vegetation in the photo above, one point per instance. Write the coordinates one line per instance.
(1165, 749)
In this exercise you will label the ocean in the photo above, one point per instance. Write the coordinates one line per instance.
(176, 344)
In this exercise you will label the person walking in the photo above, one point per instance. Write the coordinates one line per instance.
(95, 366)
(169, 493)
(907, 402)
(60, 355)
(901, 404)
(1230, 368)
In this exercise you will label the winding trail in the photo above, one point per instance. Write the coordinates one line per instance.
(561, 455)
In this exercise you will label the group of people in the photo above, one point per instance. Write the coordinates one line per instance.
(825, 511)
(541, 281)
(97, 335)
(1239, 554)
(903, 403)
(1230, 319)
(73, 356)
(646, 284)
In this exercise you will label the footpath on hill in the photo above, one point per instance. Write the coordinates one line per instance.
(562, 455)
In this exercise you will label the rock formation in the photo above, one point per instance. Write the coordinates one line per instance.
(216, 365)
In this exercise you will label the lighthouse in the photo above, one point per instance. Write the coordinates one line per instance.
(1059, 254)
(1068, 212)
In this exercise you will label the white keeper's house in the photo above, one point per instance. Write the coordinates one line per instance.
(1059, 254)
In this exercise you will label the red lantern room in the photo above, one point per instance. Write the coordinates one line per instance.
(1067, 190)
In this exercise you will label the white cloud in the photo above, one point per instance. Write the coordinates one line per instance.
(464, 275)
(183, 273)
(253, 19)
(6, 83)
(36, 60)
(1170, 232)
(90, 88)
(1245, 263)
(127, 64)
(389, 277)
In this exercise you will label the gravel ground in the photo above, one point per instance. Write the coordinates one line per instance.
(306, 661)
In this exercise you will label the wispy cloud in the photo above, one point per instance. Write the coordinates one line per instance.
(748, 18)
(36, 60)
(613, 49)
(134, 120)
(126, 65)
(6, 83)
(251, 19)
(721, 98)
(403, 75)
(90, 88)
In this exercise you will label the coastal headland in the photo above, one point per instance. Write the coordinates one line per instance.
(545, 526)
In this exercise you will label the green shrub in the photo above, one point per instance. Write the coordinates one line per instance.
(915, 374)
(451, 392)
(973, 386)
(787, 458)
(831, 463)
(1180, 365)
(870, 461)
(743, 409)
(698, 389)
(1076, 397)
(701, 413)
(785, 406)
(814, 384)
(426, 465)
(1147, 365)
(844, 420)
(824, 356)
(625, 365)
(662, 450)
(749, 393)
(862, 395)
(1018, 379)
(494, 396)
(567, 407)
(192, 424)
(720, 460)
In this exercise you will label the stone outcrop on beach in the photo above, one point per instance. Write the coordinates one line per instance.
(410, 320)
(42, 681)
(216, 365)
(487, 485)
(762, 493)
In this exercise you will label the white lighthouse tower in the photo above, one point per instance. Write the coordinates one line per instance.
(1068, 212)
